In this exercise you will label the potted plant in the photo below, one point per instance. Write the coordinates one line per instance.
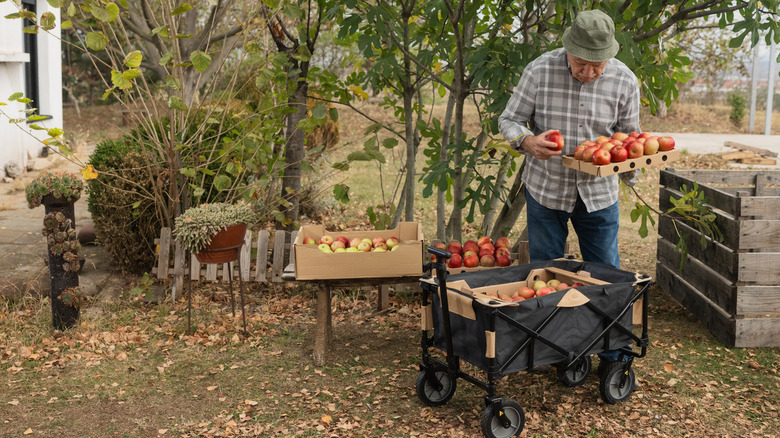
(53, 188)
(214, 232)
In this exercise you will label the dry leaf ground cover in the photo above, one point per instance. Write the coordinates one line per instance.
(129, 369)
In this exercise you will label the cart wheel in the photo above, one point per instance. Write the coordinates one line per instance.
(438, 393)
(493, 425)
(576, 375)
(616, 383)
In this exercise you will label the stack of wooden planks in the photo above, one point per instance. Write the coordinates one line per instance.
(745, 154)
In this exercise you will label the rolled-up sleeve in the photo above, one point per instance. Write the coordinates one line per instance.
(513, 122)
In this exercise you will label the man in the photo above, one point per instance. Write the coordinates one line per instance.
(582, 92)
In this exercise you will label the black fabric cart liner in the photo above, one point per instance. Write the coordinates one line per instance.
(572, 329)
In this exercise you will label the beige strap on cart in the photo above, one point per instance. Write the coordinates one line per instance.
(490, 344)
(427, 318)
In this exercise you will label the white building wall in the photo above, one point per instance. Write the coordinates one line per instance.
(15, 143)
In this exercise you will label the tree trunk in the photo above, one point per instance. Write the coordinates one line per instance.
(293, 156)
(441, 212)
(511, 210)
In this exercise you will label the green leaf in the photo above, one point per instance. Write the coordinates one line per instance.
(162, 30)
(30, 29)
(222, 182)
(120, 81)
(48, 21)
(173, 82)
(341, 193)
(15, 96)
(67, 24)
(166, 59)
(358, 156)
(319, 110)
(55, 3)
(54, 132)
(188, 172)
(200, 60)
(390, 142)
(182, 8)
(176, 103)
(71, 9)
(133, 59)
(100, 13)
(113, 11)
(373, 129)
(131, 74)
(96, 41)
(334, 114)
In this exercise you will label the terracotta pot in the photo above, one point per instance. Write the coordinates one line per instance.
(225, 246)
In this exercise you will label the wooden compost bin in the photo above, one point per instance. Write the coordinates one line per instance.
(732, 287)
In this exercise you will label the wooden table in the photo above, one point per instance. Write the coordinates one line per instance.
(323, 330)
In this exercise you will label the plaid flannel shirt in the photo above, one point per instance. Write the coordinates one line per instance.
(549, 97)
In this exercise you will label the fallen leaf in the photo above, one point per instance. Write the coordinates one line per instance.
(668, 367)
(211, 388)
(28, 431)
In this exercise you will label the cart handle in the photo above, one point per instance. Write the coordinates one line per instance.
(439, 253)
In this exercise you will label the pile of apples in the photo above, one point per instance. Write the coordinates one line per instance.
(342, 244)
(539, 289)
(481, 252)
(621, 147)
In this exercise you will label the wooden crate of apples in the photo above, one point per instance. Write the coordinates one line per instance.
(621, 153)
(478, 254)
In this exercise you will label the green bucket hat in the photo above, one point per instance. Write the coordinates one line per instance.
(591, 37)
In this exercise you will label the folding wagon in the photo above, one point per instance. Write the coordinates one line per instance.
(467, 322)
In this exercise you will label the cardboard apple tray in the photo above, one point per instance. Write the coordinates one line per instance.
(313, 264)
(544, 274)
(655, 160)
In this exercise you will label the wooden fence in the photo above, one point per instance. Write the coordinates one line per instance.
(264, 257)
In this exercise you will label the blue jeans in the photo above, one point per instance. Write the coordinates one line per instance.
(597, 232)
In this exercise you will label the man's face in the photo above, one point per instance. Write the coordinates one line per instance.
(585, 71)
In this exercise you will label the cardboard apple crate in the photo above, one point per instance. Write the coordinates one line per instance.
(655, 160)
(732, 286)
(313, 264)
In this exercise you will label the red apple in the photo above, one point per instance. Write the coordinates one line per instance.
(327, 240)
(483, 240)
(635, 150)
(381, 245)
(577, 284)
(665, 144)
(587, 143)
(470, 245)
(578, 151)
(526, 292)
(634, 134)
(562, 286)
(502, 252)
(343, 240)
(391, 242)
(587, 154)
(651, 146)
(503, 260)
(538, 284)
(645, 135)
(640, 140)
(601, 157)
(620, 136)
(470, 259)
(544, 291)
(309, 241)
(455, 247)
(602, 139)
(556, 138)
(337, 244)
(487, 261)
(485, 251)
(364, 246)
(503, 242)
(439, 245)
(618, 154)
(489, 246)
(455, 261)
(355, 242)
(377, 240)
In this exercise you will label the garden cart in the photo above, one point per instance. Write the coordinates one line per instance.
(465, 320)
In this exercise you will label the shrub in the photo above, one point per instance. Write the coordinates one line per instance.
(737, 114)
(125, 214)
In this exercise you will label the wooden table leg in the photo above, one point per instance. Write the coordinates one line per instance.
(323, 327)
(382, 297)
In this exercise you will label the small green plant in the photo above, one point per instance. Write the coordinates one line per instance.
(737, 103)
(144, 287)
(196, 226)
(59, 184)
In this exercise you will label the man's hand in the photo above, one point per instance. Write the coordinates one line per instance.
(539, 146)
